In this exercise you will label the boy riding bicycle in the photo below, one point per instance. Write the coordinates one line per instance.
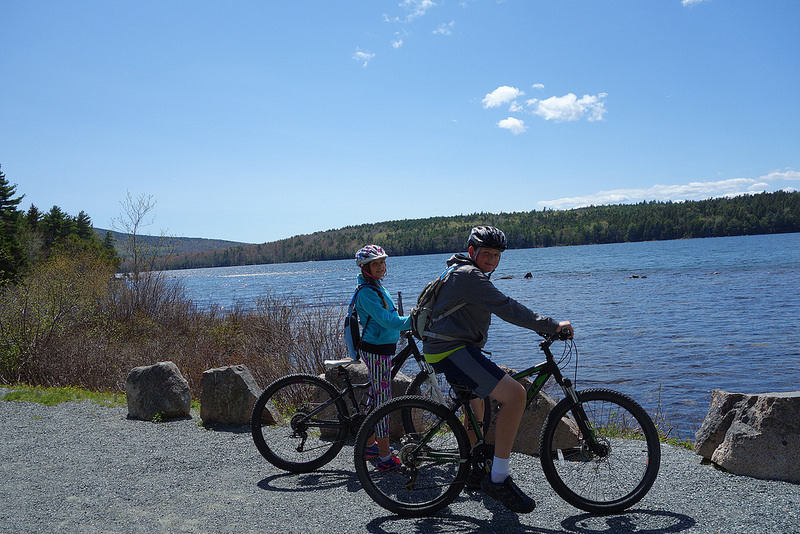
(453, 345)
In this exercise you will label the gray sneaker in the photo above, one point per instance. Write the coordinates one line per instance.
(509, 494)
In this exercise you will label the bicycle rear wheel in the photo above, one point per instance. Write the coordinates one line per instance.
(435, 458)
(621, 473)
(298, 423)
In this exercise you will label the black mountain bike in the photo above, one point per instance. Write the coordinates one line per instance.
(599, 449)
(300, 422)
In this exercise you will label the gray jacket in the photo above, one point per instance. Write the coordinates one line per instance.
(470, 323)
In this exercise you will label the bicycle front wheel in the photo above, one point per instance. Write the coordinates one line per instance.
(609, 477)
(435, 458)
(298, 423)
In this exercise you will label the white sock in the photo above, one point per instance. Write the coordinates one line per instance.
(499, 469)
(385, 458)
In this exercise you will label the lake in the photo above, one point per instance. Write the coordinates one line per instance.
(664, 321)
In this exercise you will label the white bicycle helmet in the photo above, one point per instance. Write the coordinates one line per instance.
(369, 253)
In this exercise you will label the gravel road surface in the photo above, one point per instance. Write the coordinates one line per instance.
(81, 467)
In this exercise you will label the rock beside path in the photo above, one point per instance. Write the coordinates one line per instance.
(754, 435)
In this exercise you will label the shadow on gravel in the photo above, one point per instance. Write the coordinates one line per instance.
(638, 521)
(503, 520)
(318, 480)
(448, 522)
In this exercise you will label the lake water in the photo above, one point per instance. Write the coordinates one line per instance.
(664, 321)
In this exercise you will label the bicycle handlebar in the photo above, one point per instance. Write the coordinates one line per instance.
(549, 339)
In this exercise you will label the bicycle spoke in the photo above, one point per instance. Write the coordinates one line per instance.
(435, 458)
(609, 476)
(297, 423)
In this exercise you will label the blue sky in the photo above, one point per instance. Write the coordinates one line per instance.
(256, 121)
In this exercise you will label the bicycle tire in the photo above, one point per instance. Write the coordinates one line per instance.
(289, 440)
(607, 483)
(432, 475)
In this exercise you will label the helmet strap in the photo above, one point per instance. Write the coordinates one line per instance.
(366, 272)
(473, 255)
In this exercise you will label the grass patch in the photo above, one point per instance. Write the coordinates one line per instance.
(685, 443)
(53, 396)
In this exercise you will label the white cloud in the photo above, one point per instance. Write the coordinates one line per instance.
(788, 174)
(692, 2)
(363, 57)
(416, 8)
(569, 107)
(397, 43)
(516, 126)
(445, 29)
(502, 95)
(556, 108)
(678, 192)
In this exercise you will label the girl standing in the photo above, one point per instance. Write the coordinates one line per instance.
(381, 325)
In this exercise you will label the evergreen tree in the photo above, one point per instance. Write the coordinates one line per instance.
(84, 226)
(32, 218)
(12, 257)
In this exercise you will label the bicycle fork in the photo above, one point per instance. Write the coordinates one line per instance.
(585, 426)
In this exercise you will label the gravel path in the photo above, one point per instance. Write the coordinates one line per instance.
(80, 467)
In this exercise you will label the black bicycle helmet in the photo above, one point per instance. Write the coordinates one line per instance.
(487, 237)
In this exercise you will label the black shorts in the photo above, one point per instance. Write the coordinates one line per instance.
(469, 367)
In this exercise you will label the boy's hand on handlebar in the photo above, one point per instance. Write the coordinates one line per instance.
(565, 329)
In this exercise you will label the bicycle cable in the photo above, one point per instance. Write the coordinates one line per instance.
(565, 360)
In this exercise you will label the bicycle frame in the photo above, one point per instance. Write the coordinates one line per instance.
(347, 393)
(411, 349)
(543, 371)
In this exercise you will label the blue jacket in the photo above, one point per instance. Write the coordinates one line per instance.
(382, 325)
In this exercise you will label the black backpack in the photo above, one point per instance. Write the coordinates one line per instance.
(352, 331)
(422, 314)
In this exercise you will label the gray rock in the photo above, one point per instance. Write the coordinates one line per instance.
(228, 395)
(753, 435)
(157, 391)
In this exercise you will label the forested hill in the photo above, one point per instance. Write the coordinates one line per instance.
(176, 245)
(764, 213)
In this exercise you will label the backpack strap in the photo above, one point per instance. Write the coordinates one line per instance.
(355, 294)
(444, 276)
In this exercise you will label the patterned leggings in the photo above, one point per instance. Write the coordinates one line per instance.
(379, 367)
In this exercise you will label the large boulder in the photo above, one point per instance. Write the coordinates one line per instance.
(157, 392)
(753, 435)
(228, 395)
